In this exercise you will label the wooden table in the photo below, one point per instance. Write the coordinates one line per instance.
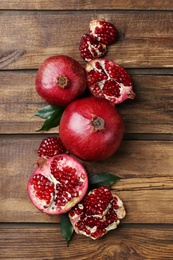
(31, 31)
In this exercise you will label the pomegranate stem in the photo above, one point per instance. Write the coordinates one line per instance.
(62, 81)
(98, 124)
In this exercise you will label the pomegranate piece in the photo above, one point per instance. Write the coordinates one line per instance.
(51, 146)
(109, 80)
(60, 80)
(103, 31)
(90, 48)
(91, 128)
(99, 212)
(57, 184)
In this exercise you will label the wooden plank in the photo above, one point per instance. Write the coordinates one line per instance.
(43, 34)
(46, 242)
(144, 166)
(150, 112)
(87, 5)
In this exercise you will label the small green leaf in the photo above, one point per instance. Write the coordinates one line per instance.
(52, 114)
(47, 111)
(104, 178)
(52, 121)
(66, 227)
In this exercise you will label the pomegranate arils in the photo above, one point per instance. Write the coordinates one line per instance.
(99, 212)
(90, 48)
(109, 80)
(96, 202)
(103, 31)
(51, 146)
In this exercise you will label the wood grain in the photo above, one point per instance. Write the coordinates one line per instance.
(48, 33)
(144, 166)
(87, 5)
(150, 112)
(132, 243)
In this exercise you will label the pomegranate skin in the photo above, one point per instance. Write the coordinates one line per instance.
(88, 141)
(60, 80)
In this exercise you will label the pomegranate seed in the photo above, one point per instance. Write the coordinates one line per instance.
(90, 48)
(51, 146)
(103, 31)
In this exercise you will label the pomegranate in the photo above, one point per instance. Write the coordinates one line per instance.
(51, 146)
(90, 48)
(103, 31)
(99, 212)
(57, 184)
(60, 80)
(91, 128)
(109, 80)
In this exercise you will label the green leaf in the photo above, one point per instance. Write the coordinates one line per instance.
(52, 121)
(46, 111)
(52, 114)
(104, 178)
(66, 227)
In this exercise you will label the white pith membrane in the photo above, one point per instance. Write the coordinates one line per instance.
(78, 217)
(97, 88)
(92, 27)
(69, 201)
(94, 50)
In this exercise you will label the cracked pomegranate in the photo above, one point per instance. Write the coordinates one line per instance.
(99, 212)
(103, 31)
(51, 146)
(60, 80)
(57, 184)
(90, 48)
(91, 128)
(109, 80)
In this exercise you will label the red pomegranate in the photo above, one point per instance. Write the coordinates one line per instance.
(91, 128)
(99, 212)
(57, 184)
(109, 80)
(60, 80)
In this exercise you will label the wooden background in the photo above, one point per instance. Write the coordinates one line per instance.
(31, 31)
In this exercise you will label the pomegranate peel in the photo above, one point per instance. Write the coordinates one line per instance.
(57, 184)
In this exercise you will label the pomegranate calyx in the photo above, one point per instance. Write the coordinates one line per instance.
(98, 124)
(41, 161)
(131, 94)
(62, 81)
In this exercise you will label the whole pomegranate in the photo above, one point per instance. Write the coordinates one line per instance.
(91, 128)
(57, 184)
(60, 80)
(99, 212)
(109, 80)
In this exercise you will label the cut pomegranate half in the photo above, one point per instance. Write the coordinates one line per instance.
(57, 184)
(109, 80)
